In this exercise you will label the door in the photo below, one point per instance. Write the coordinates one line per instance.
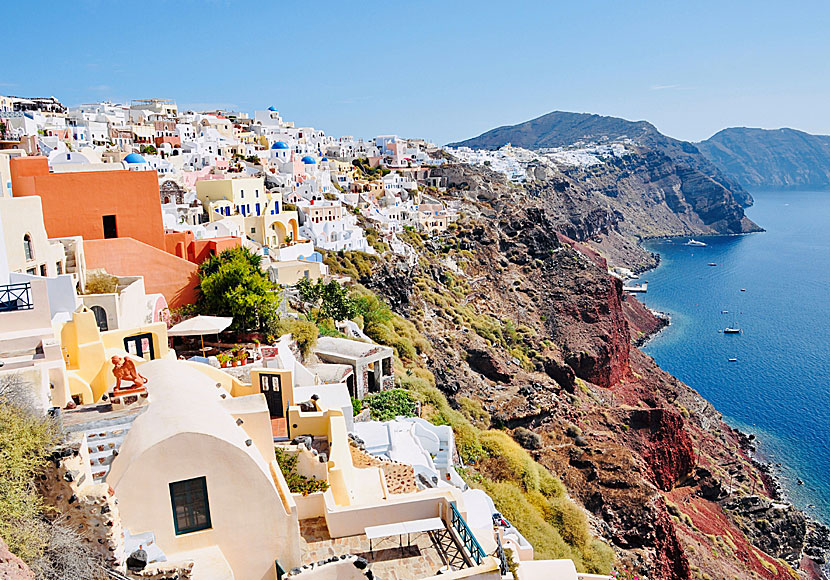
(140, 345)
(110, 228)
(271, 387)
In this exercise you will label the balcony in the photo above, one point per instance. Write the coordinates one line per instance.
(15, 297)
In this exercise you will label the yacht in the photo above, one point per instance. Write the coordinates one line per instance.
(693, 242)
(731, 330)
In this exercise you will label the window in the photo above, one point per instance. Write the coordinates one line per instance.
(28, 247)
(191, 511)
(43, 271)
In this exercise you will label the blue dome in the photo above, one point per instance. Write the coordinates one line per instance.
(134, 158)
(308, 160)
(272, 108)
(280, 145)
(324, 159)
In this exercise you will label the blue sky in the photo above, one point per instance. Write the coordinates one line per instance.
(442, 70)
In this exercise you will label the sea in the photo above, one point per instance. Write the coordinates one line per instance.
(775, 287)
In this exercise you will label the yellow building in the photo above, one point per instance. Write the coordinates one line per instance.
(261, 213)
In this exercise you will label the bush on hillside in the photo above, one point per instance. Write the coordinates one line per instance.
(507, 461)
(386, 405)
(527, 438)
(304, 333)
(26, 439)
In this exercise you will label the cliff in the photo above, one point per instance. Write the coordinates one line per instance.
(779, 159)
(562, 129)
(522, 316)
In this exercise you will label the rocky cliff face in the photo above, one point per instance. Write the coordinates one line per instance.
(780, 158)
(526, 320)
(562, 129)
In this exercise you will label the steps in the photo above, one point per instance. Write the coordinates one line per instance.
(104, 439)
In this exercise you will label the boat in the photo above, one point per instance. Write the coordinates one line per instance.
(724, 312)
(712, 264)
(731, 330)
(693, 242)
(733, 360)
(743, 289)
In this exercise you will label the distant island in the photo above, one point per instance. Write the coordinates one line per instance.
(774, 159)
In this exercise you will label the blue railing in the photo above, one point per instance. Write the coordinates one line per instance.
(467, 538)
(16, 297)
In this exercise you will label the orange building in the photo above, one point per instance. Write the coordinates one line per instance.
(186, 246)
(118, 213)
(93, 204)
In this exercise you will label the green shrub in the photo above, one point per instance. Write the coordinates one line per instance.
(386, 405)
(474, 412)
(527, 438)
(304, 332)
(101, 283)
(357, 406)
(507, 461)
(297, 483)
(570, 521)
(25, 442)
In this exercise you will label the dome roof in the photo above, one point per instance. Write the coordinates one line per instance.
(272, 108)
(134, 158)
(308, 160)
(324, 159)
(280, 145)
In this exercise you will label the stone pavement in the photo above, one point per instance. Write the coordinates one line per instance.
(420, 560)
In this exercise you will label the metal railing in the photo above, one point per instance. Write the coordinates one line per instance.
(503, 567)
(467, 538)
(16, 297)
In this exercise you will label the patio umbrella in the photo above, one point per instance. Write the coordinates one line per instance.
(200, 326)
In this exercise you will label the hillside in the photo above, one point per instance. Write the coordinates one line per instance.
(780, 158)
(527, 322)
(700, 183)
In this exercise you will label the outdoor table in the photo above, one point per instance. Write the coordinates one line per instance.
(401, 528)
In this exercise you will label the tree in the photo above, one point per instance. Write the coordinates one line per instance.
(149, 149)
(233, 284)
(326, 300)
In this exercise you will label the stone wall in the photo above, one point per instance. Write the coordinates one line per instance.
(87, 507)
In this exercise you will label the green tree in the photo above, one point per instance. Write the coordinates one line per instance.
(326, 300)
(150, 149)
(233, 284)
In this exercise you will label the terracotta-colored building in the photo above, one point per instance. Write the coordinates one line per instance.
(93, 204)
(186, 246)
(118, 213)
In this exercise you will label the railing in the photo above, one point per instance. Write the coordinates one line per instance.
(16, 297)
(467, 538)
(503, 567)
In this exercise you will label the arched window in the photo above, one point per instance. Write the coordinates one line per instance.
(100, 317)
(28, 247)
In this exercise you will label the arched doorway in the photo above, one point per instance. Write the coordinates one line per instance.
(100, 318)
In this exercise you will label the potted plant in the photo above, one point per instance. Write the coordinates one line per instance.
(223, 359)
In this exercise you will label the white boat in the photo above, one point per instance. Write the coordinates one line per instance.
(693, 242)
(733, 360)
(731, 330)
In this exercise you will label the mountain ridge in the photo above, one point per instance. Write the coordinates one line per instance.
(781, 158)
(662, 171)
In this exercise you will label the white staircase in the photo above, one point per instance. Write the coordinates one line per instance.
(103, 441)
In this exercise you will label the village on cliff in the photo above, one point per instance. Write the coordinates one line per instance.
(158, 271)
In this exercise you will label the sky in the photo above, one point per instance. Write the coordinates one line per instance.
(442, 70)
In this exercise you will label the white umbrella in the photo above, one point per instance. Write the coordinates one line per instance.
(200, 326)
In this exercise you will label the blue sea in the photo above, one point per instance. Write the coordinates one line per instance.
(779, 387)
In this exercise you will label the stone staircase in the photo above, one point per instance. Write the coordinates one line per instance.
(104, 438)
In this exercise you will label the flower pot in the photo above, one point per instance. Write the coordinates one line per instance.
(224, 364)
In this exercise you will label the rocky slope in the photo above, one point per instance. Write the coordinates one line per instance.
(561, 129)
(780, 158)
(522, 316)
